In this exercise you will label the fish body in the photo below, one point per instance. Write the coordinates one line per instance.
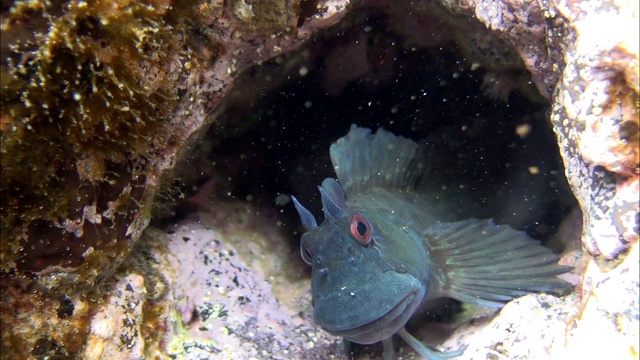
(381, 252)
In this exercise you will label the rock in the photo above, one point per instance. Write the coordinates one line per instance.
(204, 298)
(530, 327)
(217, 306)
(102, 105)
(595, 108)
(98, 103)
(115, 330)
(608, 312)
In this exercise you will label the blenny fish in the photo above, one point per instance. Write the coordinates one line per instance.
(381, 251)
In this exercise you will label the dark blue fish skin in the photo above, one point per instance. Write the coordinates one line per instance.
(345, 295)
(380, 252)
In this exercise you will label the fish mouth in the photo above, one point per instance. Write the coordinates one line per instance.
(384, 326)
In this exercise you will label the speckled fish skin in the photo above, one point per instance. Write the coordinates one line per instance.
(380, 252)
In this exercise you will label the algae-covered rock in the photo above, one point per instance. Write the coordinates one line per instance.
(87, 93)
(97, 100)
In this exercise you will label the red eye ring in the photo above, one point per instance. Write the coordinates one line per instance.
(361, 229)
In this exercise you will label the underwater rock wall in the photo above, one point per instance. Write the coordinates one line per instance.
(101, 100)
(98, 100)
(591, 50)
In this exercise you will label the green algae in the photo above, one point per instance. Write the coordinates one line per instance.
(86, 94)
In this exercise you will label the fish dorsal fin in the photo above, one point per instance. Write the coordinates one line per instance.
(364, 161)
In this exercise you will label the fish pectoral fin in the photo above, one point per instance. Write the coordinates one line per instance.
(425, 350)
(481, 263)
(388, 352)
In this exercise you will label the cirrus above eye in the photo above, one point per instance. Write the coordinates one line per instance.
(361, 229)
(307, 254)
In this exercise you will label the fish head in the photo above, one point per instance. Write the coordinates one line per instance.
(364, 286)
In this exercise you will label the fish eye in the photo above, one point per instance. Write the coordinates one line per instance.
(306, 253)
(361, 229)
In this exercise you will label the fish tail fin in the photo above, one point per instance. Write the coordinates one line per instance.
(478, 262)
(363, 160)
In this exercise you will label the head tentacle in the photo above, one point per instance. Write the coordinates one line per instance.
(307, 219)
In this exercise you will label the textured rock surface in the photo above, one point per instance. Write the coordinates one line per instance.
(231, 304)
(98, 101)
(115, 326)
(101, 102)
(531, 327)
(592, 77)
(595, 115)
(211, 301)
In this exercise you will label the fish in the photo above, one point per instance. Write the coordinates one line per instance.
(381, 251)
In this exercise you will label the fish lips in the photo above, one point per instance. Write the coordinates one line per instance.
(371, 311)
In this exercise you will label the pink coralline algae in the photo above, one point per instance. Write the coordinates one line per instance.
(213, 305)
